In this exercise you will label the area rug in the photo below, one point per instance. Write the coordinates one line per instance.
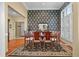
(19, 52)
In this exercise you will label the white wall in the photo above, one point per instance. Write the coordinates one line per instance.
(22, 19)
(11, 28)
(75, 29)
(13, 20)
(2, 29)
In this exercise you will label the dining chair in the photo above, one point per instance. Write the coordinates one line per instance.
(36, 40)
(57, 41)
(58, 37)
(28, 38)
(47, 40)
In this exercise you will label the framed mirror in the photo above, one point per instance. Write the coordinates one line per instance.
(43, 27)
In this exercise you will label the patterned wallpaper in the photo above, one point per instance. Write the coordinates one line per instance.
(50, 17)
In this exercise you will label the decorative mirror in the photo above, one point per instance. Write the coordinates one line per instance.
(43, 27)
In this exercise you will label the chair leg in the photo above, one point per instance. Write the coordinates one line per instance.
(52, 46)
(42, 45)
(35, 46)
(45, 46)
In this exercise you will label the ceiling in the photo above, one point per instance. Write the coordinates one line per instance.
(37, 6)
(12, 12)
(43, 5)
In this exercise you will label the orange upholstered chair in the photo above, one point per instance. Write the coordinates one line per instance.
(36, 39)
(48, 39)
(36, 35)
(47, 35)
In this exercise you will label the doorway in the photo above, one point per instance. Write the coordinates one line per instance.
(8, 31)
(14, 25)
(19, 29)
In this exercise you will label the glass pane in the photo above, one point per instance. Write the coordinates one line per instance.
(69, 9)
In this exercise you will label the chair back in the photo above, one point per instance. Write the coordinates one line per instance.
(36, 35)
(58, 36)
(47, 35)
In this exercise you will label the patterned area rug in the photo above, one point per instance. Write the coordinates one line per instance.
(21, 52)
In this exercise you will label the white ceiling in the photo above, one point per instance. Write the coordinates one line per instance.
(43, 5)
(37, 6)
(12, 12)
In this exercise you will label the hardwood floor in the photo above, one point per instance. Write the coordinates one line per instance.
(15, 43)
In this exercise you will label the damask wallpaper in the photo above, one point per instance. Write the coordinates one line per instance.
(50, 17)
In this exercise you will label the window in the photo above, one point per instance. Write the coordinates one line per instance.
(69, 9)
(66, 11)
